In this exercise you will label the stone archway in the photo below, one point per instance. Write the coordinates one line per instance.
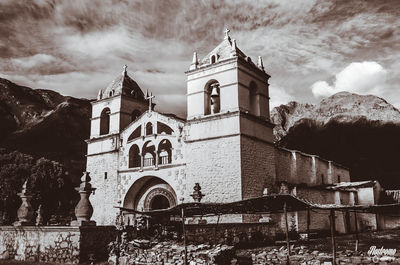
(150, 193)
(159, 198)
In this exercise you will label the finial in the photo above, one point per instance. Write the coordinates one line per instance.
(260, 63)
(124, 72)
(195, 62)
(100, 95)
(226, 34)
(233, 50)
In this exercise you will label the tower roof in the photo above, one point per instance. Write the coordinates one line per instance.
(224, 50)
(123, 85)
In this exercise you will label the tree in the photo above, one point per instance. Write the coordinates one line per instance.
(48, 183)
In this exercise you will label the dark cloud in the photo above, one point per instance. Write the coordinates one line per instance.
(60, 44)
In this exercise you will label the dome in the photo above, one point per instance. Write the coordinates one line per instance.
(123, 85)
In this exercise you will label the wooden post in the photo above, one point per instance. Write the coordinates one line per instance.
(184, 235)
(308, 223)
(287, 232)
(356, 228)
(332, 222)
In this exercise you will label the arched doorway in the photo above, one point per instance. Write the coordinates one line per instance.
(159, 202)
(150, 193)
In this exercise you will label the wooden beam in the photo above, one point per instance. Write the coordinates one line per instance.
(332, 222)
(287, 232)
(356, 228)
(184, 236)
(308, 223)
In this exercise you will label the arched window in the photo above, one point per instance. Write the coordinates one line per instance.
(135, 134)
(110, 94)
(213, 58)
(149, 154)
(149, 128)
(253, 101)
(165, 152)
(134, 157)
(212, 98)
(105, 121)
(135, 114)
(163, 128)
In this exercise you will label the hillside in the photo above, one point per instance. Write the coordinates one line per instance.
(44, 123)
(360, 132)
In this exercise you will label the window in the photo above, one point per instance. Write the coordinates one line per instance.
(338, 179)
(134, 157)
(322, 179)
(149, 128)
(149, 154)
(213, 58)
(135, 114)
(165, 152)
(105, 121)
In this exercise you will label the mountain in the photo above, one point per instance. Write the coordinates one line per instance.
(45, 123)
(361, 132)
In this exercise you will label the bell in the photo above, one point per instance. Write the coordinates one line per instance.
(214, 92)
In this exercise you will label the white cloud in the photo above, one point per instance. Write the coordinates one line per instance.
(359, 77)
(33, 61)
(278, 96)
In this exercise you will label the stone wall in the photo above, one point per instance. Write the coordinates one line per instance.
(103, 171)
(61, 244)
(215, 164)
(258, 167)
(299, 168)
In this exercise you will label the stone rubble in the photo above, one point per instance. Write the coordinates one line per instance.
(301, 255)
(172, 253)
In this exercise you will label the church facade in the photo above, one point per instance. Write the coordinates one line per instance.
(143, 159)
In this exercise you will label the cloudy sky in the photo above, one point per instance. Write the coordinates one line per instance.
(312, 49)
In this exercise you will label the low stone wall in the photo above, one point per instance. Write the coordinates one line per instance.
(172, 253)
(62, 244)
(232, 233)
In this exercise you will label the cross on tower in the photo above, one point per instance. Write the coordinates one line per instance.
(150, 99)
(226, 33)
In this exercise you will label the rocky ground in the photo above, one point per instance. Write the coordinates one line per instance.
(316, 251)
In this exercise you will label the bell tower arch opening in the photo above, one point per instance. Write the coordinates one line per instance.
(212, 101)
(105, 121)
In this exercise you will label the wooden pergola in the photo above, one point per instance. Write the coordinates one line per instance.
(275, 203)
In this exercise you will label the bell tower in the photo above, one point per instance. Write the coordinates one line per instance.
(227, 80)
(121, 103)
(229, 134)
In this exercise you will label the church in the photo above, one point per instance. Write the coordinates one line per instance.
(143, 159)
